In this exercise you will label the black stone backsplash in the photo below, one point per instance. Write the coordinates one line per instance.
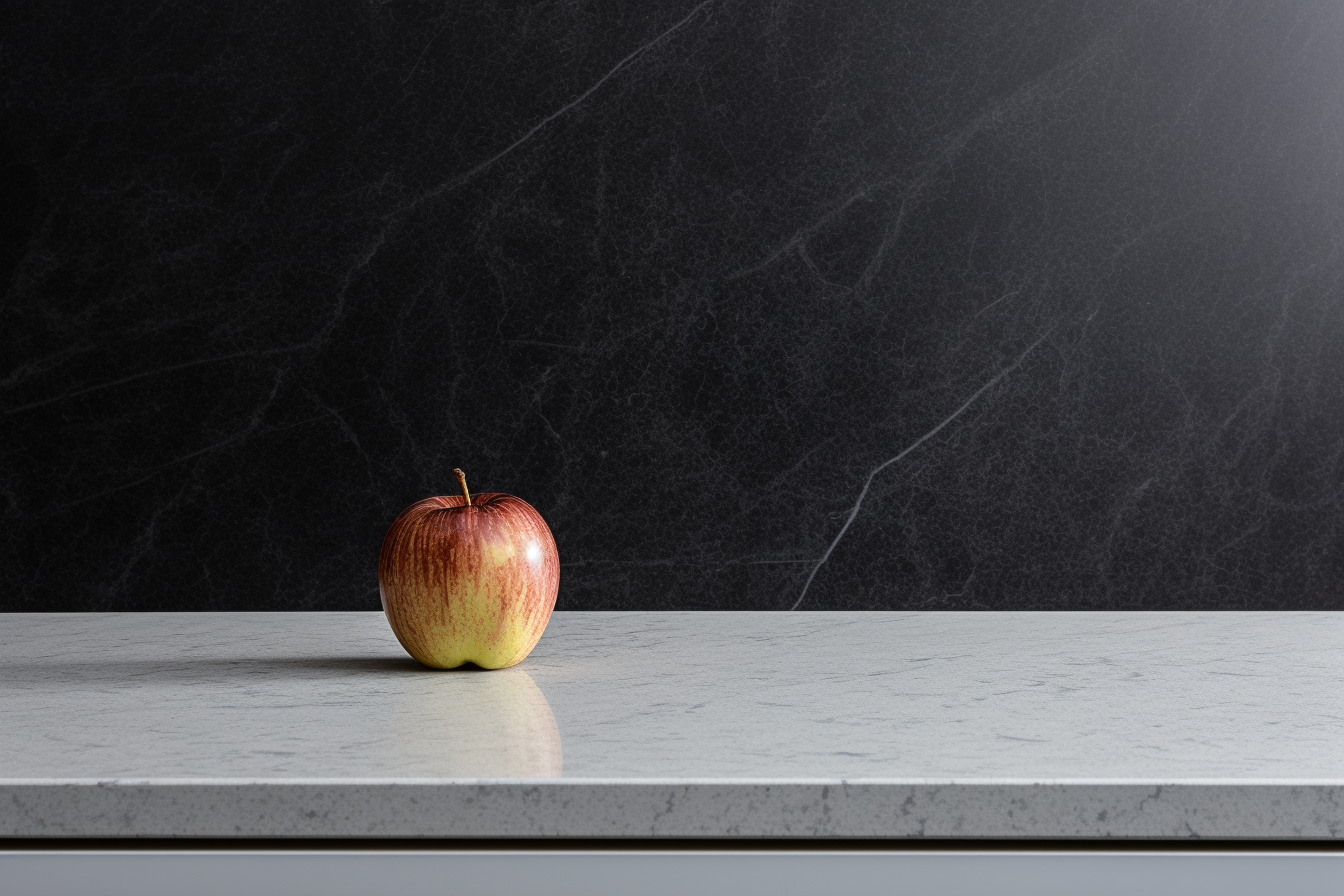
(939, 305)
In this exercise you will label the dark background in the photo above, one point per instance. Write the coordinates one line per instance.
(683, 277)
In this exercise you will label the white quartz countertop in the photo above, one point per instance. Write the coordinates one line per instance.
(723, 725)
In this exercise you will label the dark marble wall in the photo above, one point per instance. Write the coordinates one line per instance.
(830, 305)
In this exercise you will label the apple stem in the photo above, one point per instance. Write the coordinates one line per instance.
(462, 480)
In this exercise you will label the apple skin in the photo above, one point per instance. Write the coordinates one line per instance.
(469, 583)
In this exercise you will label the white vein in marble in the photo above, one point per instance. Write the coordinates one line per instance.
(680, 725)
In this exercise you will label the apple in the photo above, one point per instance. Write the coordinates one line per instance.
(469, 581)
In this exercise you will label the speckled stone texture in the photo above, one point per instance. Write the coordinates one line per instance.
(976, 725)
(931, 305)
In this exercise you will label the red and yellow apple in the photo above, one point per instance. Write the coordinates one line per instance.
(469, 581)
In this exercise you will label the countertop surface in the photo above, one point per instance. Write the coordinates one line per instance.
(1053, 725)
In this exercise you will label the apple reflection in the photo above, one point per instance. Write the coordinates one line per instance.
(476, 724)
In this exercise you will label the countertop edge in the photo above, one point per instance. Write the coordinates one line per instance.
(540, 809)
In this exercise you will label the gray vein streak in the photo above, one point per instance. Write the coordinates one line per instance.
(127, 379)
(804, 234)
(952, 148)
(863, 493)
(464, 178)
(362, 261)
